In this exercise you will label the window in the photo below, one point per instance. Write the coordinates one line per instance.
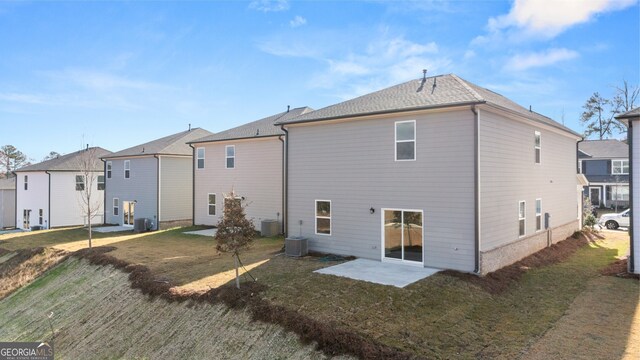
(230, 152)
(116, 207)
(127, 169)
(212, 204)
(323, 217)
(538, 214)
(617, 192)
(40, 217)
(200, 158)
(579, 166)
(538, 146)
(521, 218)
(79, 182)
(109, 166)
(26, 182)
(620, 167)
(405, 140)
(101, 182)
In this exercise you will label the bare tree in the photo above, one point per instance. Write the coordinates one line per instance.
(88, 164)
(625, 98)
(235, 232)
(599, 112)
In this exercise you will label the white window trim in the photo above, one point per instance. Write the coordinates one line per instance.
(83, 182)
(113, 206)
(109, 169)
(522, 218)
(316, 217)
(396, 141)
(124, 171)
(104, 182)
(215, 207)
(538, 215)
(621, 161)
(26, 183)
(198, 158)
(382, 254)
(40, 216)
(537, 134)
(229, 157)
(579, 166)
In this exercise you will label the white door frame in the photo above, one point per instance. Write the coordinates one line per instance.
(400, 261)
(599, 194)
(128, 212)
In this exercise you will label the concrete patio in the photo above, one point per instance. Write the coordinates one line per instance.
(110, 229)
(206, 232)
(384, 273)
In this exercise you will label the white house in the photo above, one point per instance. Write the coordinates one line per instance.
(7, 202)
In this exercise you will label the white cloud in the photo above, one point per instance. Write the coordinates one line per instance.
(297, 21)
(550, 18)
(99, 81)
(548, 57)
(269, 5)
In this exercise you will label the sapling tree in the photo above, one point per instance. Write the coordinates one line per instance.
(235, 232)
(88, 164)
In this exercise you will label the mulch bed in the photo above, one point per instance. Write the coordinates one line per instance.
(619, 269)
(327, 336)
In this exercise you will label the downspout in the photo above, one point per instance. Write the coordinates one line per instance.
(49, 202)
(285, 182)
(157, 193)
(193, 184)
(582, 190)
(476, 190)
(632, 259)
(282, 230)
(15, 195)
(104, 193)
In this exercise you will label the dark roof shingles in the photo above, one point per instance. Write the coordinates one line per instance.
(175, 144)
(603, 149)
(68, 162)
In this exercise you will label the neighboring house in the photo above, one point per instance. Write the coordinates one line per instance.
(7, 202)
(49, 194)
(151, 180)
(632, 120)
(247, 159)
(605, 164)
(435, 172)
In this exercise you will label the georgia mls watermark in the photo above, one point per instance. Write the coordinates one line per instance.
(26, 351)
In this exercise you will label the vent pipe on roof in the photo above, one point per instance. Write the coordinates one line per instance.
(424, 75)
(288, 107)
(189, 127)
(87, 146)
(530, 108)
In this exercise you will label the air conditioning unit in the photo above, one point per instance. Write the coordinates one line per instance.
(269, 228)
(140, 225)
(296, 246)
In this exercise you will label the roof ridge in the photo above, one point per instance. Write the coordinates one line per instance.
(469, 88)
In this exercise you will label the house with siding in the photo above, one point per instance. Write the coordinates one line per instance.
(435, 172)
(247, 159)
(605, 164)
(632, 120)
(49, 194)
(7, 203)
(152, 181)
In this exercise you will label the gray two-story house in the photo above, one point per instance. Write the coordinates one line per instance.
(152, 181)
(605, 164)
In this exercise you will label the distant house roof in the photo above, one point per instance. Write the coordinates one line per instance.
(631, 114)
(603, 149)
(69, 162)
(8, 184)
(428, 93)
(175, 144)
(260, 128)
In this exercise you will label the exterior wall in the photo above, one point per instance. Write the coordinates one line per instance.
(35, 198)
(257, 177)
(66, 201)
(7, 208)
(508, 174)
(176, 196)
(142, 186)
(352, 163)
(635, 194)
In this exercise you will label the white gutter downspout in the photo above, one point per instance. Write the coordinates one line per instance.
(476, 170)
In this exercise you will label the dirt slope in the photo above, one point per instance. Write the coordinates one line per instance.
(97, 315)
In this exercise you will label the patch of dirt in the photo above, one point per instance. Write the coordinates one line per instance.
(327, 337)
(4, 252)
(619, 268)
(500, 280)
(25, 266)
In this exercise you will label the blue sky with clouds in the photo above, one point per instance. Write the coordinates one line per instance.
(115, 74)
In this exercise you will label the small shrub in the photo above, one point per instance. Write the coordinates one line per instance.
(590, 221)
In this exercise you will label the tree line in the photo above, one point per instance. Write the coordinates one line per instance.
(12, 159)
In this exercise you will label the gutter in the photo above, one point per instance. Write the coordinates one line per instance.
(582, 192)
(16, 198)
(193, 184)
(234, 139)
(49, 202)
(104, 193)
(283, 229)
(285, 181)
(476, 190)
(632, 259)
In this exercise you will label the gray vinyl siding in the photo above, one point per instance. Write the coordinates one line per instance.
(176, 188)
(257, 177)
(142, 187)
(352, 163)
(508, 174)
(7, 208)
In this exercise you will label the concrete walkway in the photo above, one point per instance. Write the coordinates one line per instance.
(206, 232)
(110, 229)
(385, 273)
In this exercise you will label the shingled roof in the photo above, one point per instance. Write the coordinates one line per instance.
(603, 149)
(633, 113)
(428, 93)
(175, 144)
(69, 162)
(260, 128)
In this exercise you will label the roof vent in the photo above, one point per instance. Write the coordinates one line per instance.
(288, 107)
(189, 127)
(530, 108)
(143, 150)
(257, 132)
(424, 75)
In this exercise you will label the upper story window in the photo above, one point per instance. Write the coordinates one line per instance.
(405, 140)
(79, 182)
(109, 167)
(200, 158)
(230, 156)
(127, 169)
(538, 146)
(101, 182)
(521, 218)
(323, 217)
(620, 167)
(26, 182)
(579, 166)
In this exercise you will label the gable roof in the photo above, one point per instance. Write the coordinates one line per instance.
(603, 149)
(425, 93)
(175, 144)
(68, 162)
(260, 128)
(8, 184)
(633, 113)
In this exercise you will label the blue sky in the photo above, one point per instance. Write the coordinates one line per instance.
(116, 74)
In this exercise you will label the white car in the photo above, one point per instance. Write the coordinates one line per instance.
(614, 221)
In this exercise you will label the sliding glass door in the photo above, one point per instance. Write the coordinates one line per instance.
(402, 235)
